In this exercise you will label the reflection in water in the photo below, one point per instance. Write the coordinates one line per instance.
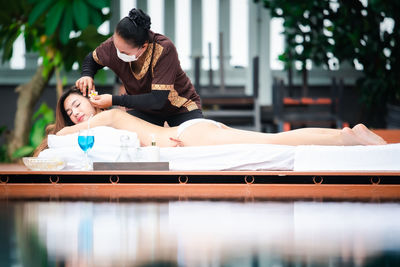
(199, 234)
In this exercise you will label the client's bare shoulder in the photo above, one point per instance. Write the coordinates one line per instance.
(114, 117)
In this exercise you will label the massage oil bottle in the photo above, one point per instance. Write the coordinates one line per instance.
(154, 150)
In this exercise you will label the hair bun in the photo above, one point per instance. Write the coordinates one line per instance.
(140, 18)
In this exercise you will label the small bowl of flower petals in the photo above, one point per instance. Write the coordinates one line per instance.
(43, 164)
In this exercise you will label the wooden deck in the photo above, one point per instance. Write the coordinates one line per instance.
(167, 192)
(19, 183)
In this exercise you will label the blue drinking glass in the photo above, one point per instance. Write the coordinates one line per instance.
(86, 141)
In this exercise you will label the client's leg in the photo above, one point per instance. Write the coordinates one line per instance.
(369, 136)
(304, 136)
(208, 134)
(362, 134)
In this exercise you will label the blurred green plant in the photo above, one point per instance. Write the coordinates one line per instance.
(63, 32)
(304, 29)
(3, 148)
(43, 117)
(332, 32)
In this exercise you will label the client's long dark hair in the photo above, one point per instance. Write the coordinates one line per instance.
(62, 119)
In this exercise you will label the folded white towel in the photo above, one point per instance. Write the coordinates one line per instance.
(200, 158)
(230, 157)
(347, 158)
(103, 136)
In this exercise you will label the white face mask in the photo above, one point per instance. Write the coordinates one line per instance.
(125, 57)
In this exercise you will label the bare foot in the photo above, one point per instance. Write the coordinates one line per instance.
(349, 138)
(367, 135)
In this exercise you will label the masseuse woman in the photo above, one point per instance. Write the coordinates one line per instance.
(147, 63)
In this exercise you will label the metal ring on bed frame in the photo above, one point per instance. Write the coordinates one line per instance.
(249, 181)
(54, 181)
(112, 181)
(183, 181)
(375, 180)
(318, 181)
(6, 181)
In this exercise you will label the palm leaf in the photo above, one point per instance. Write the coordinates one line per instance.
(96, 18)
(8, 45)
(46, 111)
(37, 132)
(23, 151)
(39, 9)
(53, 17)
(99, 4)
(91, 37)
(66, 25)
(81, 14)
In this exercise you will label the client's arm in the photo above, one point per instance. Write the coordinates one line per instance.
(119, 119)
(104, 118)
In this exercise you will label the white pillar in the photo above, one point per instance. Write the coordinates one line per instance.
(169, 19)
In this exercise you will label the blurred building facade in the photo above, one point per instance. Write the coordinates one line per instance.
(197, 28)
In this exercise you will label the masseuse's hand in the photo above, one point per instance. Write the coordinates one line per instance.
(101, 101)
(177, 142)
(85, 82)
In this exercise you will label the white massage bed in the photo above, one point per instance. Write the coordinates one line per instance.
(252, 157)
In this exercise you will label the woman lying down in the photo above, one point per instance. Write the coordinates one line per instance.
(74, 111)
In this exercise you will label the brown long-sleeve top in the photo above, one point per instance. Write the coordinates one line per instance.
(146, 85)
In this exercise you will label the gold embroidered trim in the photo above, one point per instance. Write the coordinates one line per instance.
(139, 72)
(162, 87)
(174, 98)
(157, 53)
(190, 105)
(96, 58)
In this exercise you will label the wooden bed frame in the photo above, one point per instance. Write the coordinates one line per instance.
(19, 183)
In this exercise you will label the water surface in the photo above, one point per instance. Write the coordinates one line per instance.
(199, 233)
